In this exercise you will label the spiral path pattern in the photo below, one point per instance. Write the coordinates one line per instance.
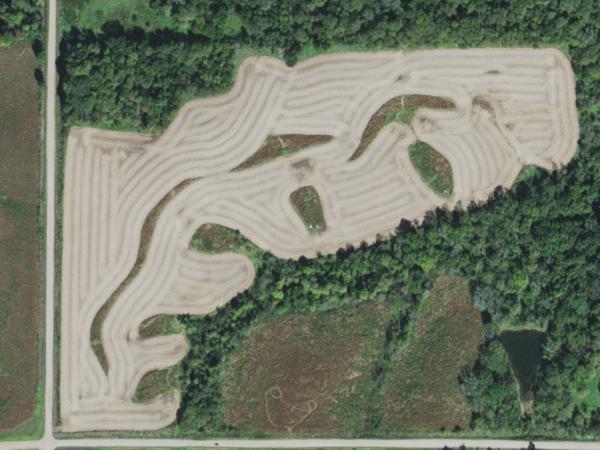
(513, 107)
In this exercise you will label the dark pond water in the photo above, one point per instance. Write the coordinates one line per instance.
(524, 348)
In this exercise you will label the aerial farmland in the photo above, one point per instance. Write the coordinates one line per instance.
(340, 176)
(299, 224)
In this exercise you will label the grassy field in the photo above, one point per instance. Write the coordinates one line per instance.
(423, 393)
(306, 373)
(157, 382)
(213, 238)
(20, 295)
(307, 204)
(93, 14)
(433, 168)
(159, 326)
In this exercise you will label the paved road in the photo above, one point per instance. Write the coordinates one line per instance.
(303, 443)
(49, 442)
(50, 219)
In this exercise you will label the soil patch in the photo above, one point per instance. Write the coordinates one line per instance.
(156, 383)
(306, 373)
(424, 392)
(20, 297)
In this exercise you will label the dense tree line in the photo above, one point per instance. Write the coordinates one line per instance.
(531, 253)
(21, 18)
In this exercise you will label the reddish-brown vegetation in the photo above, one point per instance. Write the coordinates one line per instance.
(306, 373)
(424, 392)
(20, 298)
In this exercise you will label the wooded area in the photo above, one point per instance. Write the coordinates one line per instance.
(21, 18)
(531, 254)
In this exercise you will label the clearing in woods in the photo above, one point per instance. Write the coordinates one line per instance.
(20, 297)
(424, 392)
(157, 192)
(306, 373)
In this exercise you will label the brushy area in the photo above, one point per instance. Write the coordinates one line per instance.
(20, 238)
(432, 167)
(530, 254)
(423, 391)
(307, 204)
(306, 373)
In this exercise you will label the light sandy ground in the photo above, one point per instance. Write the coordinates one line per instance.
(113, 180)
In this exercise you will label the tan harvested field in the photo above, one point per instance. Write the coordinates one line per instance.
(20, 298)
(511, 108)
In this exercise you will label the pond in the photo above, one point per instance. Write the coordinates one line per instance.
(524, 349)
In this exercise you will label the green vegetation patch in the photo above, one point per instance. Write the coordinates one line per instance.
(158, 382)
(432, 167)
(21, 19)
(423, 393)
(20, 241)
(307, 204)
(283, 145)
(213, 238)
(306, 373)
(398, 109)
(587, 399)
(159, 326)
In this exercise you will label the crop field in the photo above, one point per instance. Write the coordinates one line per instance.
(424, 392)
(306, 373)
(20, 297)
(487, 112)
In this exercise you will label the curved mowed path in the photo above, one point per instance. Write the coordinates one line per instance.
(513, 107)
